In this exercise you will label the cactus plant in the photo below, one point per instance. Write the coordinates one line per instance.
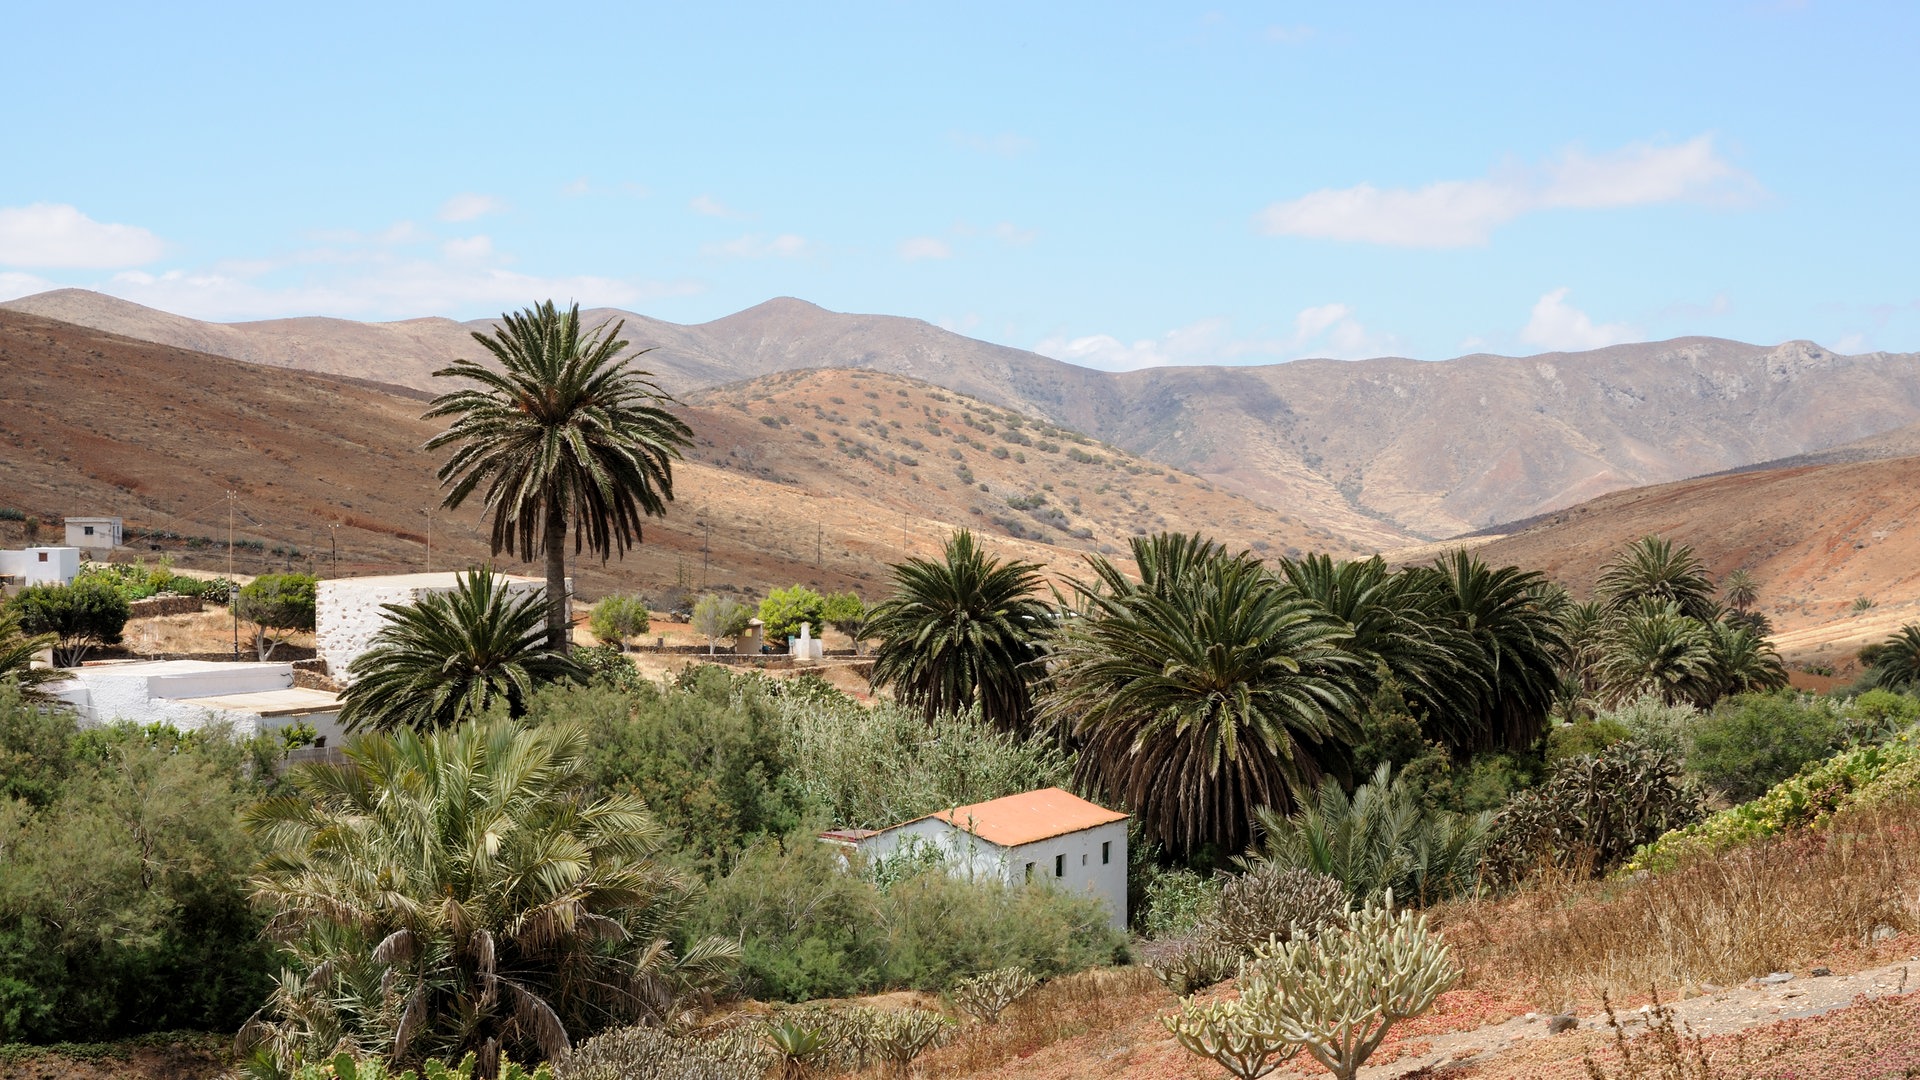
(900, 1035)
(1231, 1035)
(986, 996)
(1195, 966)
(800, 1046)
(1273, 901)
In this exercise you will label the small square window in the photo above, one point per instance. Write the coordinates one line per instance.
(43, 556)
(1083, 858)
(88, 529)
(1106, 852)
(1029, 871)
(1059, 866)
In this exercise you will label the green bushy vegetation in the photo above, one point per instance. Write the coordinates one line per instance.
(1753, 741)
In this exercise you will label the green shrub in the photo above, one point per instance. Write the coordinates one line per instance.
(88, 613)
(123, 902)
(1583, 738)
(1754, 741)
(1654, 724)
(1175, 901)
(1592, 813)
(616, 619)
(281, 602)
(1865, 776)
(785, 609)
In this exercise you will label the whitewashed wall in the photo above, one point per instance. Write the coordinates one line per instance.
(59, 567)
(155, 693)
(348, 611)
(1079, 856)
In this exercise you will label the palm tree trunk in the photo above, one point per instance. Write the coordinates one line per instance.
(559, 604)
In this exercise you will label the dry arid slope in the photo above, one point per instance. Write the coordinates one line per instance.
(1378, 451)
(95, 423)
(1814, 537)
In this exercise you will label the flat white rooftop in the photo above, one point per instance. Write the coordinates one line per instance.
(294, 701)
(438, 580)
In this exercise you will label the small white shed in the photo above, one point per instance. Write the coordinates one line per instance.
(93, 533)
(41, 565)
(1047, 836)
(348, 613)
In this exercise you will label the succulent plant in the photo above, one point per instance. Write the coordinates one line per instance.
(1231, 1035)
(644, 1053)
(1195, 966)
(987, 995)
(1273, 901)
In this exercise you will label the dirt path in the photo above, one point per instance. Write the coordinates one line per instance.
(1715, 1011)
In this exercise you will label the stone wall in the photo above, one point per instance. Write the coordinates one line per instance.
(154, 606)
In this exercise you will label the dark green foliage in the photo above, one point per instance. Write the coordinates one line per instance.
(1584, 737)
(1202, 693)
(451, 657)
(18, 651)
(811, 929)
(1653, 568)
(277, 602)
(706, 756)
(1509, 617)
(1895, 662)
(1592, 813)
(562, 433)
(962, 632)
(85, 614)
(1754, 741)
(616, 619)
(123, 905)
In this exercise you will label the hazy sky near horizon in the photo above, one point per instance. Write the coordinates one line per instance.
(1116, 184)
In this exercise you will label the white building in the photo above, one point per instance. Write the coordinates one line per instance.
(348, 613)
(190, 694)
(1047, 836)
(93, 533)
(40, 566)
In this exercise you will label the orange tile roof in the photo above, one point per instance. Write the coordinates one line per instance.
(1028, 817)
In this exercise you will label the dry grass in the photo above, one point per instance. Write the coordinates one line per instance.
(203, 632)
(1769, 907)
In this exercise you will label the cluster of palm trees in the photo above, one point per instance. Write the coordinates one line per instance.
(1213, 684)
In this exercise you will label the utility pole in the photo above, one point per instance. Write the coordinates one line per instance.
(819, 538)
(335, 527)
(706, 549)
(428, 510)
(233, 589)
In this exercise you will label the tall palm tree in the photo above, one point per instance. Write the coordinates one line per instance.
(1199, 703)
(1895, 662)
(1743, 660)
(962, 631)
(1658, 650)
(1654, 568)
(1398, 631)
(452, 656)
(1512, 620)
(462, 891)
(562, 433)
(1741, 591)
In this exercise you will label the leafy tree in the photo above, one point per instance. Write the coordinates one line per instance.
(716, 617)
(451, 657)
(562, 433)
(962, 632)
(1754, 741)
(1200, 698)
(617, 619)
(847, 613)
(1654, 568)
(785, 609)
(279, 602)
(1741, 590)
(458, 891)
(17, 652)
(1894, 664)
(85, 614)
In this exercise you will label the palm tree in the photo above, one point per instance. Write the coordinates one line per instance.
(1512, 620)
(961, 632)
(1895, 662)
(1658, 651)
(1193, 705)
(462, 891)
(17, 652)
(451, 657)
(1653, 568)
(1741, 590)
(562, 432)
(1743, 660)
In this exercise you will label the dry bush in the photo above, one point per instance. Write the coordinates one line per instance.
(1724, 918)
(1100, 1000)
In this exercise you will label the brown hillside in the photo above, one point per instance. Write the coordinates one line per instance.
(96, 423)
(1815, 537)
(1377, 451)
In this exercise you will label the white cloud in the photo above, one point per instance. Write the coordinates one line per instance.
(1006, 144)
(1327, 331)
(708, 206)
(1290, 35)
(55, 234)
(1008, 233)
(1558, 326)
(1851, 344)
(925, 247)
(468, 249)
(467, 206)
(759, 246)
(1464, 213)
(575, 188)
(15, 285)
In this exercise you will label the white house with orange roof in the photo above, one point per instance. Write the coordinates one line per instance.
(1047, 836)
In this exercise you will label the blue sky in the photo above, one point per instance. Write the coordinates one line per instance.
(1114, 184)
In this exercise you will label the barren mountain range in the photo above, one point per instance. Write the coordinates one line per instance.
(1379, 452)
